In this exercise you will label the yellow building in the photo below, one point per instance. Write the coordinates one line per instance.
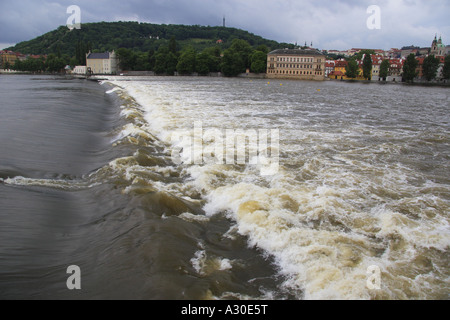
(340, 66)
(8, 57)
(301, 64)
(340, 71)
(102, 63)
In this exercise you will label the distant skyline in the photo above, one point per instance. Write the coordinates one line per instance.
(328, 24)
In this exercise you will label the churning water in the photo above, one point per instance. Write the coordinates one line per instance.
(88, 178)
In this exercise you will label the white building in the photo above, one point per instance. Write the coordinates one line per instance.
(81, 70)
(102, 63)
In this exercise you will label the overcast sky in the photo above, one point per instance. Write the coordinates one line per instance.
(329, 24)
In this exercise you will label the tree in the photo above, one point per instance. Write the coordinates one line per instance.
(165, 61)
(171, 64)
(262, 48)
(237, 58)
(430, 67)
(208, 60)
(151, 59)
(259, 62)
(409, 68)
(161, 60)
(127, 59)
(141, 62)
(446, 70)
(186, 62)
(233, 63)
(384, 69)
(81, 49)
(55, 64)
(202, 63)
(244, 49)
(173, 45)
(214, 59)
(351, 70)
(359, 55)
(367, 67)
(32, 65)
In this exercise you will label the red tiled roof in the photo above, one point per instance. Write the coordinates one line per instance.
(396, 61)
(341, 63)
(336, 73)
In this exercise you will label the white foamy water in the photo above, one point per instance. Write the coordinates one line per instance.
(362, 181)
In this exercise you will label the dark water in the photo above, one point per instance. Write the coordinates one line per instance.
(65, 206)
(87, 179)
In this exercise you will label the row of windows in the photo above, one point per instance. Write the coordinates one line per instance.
(294, 66)
(293, 72)
(285, 59)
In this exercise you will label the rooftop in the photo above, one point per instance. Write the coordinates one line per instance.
(297, 52)
(104, 55)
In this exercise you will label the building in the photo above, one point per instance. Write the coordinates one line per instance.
(376, 64)
(8, 58)
(395, 70)
(329, 67)
(440, 70)
(80, 70)
(102, 63)
(394, 53)
(406, 51)
(423, 51)
(419, 68)
(301, 64)
(437, 47)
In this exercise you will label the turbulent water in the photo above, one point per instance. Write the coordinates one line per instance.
(89, 178)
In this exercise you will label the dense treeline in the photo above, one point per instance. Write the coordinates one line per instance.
(52, 63)
(164, 49)
(238, 58)
(139, 37)
(168, 59)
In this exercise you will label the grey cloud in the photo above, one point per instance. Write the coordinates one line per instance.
(338, 23)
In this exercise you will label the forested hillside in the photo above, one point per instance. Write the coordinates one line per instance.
(108, 36)
(164, 49)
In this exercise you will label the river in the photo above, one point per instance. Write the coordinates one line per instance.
(342, 190)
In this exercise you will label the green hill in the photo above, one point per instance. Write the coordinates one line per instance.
(108, 36)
